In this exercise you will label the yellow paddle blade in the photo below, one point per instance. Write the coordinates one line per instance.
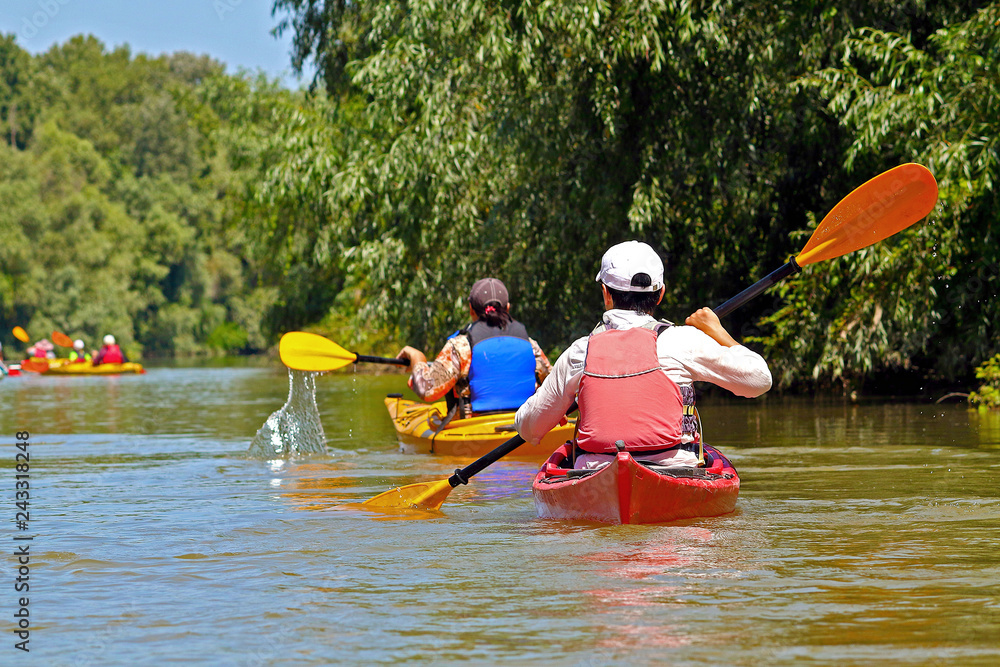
(61, 339)
(20, 334)
(425, 495)
(877, 209)
(302, 351)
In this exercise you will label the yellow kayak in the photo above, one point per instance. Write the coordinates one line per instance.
(418, 429)
(66, 368)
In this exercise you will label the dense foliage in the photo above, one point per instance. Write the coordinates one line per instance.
(988, 395)
(520, 139)
(184, 208)
(117, 183)
(928, 301)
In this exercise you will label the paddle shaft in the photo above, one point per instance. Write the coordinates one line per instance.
(462, 475)
(786, 270)
(381, 360)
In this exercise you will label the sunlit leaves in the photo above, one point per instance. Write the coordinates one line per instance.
(520, 139)
(940, 106)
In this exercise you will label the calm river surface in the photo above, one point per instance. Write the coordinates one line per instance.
(864, 534)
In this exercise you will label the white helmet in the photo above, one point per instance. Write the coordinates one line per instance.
(78, 344)
(109, 340)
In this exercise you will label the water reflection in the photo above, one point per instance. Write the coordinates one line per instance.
(987, 423)
(664, 563)
(675, 548)
(863, 534)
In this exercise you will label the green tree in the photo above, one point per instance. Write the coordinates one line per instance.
(521, 139)
(120, 211)
(16, 102)
(923, 304)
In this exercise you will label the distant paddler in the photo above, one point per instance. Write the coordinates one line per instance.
(79, 355)
(491, 365)
(110, 353)
(43, 349)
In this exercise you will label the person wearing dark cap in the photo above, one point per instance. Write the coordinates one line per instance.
(492, 365)
(633, 375)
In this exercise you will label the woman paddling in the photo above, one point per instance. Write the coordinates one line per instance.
(491, 365)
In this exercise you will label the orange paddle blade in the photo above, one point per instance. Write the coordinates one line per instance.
(35, 366)
(61, 339)
(20, 334)
(877, 209)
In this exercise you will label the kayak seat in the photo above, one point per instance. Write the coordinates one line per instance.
(554, 474)
(686, 473)
(553, 469)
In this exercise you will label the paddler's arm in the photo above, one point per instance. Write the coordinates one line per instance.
(708, 353)
(547, 407)
(431, 380)
(705, 319)
(542, 365)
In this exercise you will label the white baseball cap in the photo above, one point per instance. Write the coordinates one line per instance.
(109, 340)
(624, 260)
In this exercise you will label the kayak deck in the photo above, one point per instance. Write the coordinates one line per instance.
(63, 367)
(419, 431)
(627, 492)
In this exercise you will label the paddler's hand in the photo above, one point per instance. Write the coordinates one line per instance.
(705, 319)
(413, 355)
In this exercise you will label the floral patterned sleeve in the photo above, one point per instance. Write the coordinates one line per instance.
(542, 365)
(433, 379)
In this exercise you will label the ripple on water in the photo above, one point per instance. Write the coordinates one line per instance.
(159, 540)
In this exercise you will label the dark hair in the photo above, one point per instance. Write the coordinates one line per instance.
(643, 302)
(494, 314)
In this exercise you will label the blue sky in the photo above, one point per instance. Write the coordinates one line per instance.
(236, 32)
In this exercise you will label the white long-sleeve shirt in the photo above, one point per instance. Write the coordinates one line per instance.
(686, 354)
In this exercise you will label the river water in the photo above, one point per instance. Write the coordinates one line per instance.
(864, 534)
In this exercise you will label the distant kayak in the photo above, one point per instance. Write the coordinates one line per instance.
(63, 367)
(626, 491)
(419, 431)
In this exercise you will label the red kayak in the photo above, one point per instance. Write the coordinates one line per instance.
(626, 491)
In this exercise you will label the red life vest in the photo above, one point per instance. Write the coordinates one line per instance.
(111, 354)
(625, 396)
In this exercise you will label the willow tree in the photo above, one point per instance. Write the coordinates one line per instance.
(925, 304)
(520, 139)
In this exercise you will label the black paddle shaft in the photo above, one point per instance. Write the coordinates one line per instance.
(381, 360)
(788, 269)
(462, 475)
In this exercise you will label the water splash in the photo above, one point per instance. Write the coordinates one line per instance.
(296, 427)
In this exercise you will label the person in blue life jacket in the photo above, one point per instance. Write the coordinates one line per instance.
(3, 366)
(491, 365)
